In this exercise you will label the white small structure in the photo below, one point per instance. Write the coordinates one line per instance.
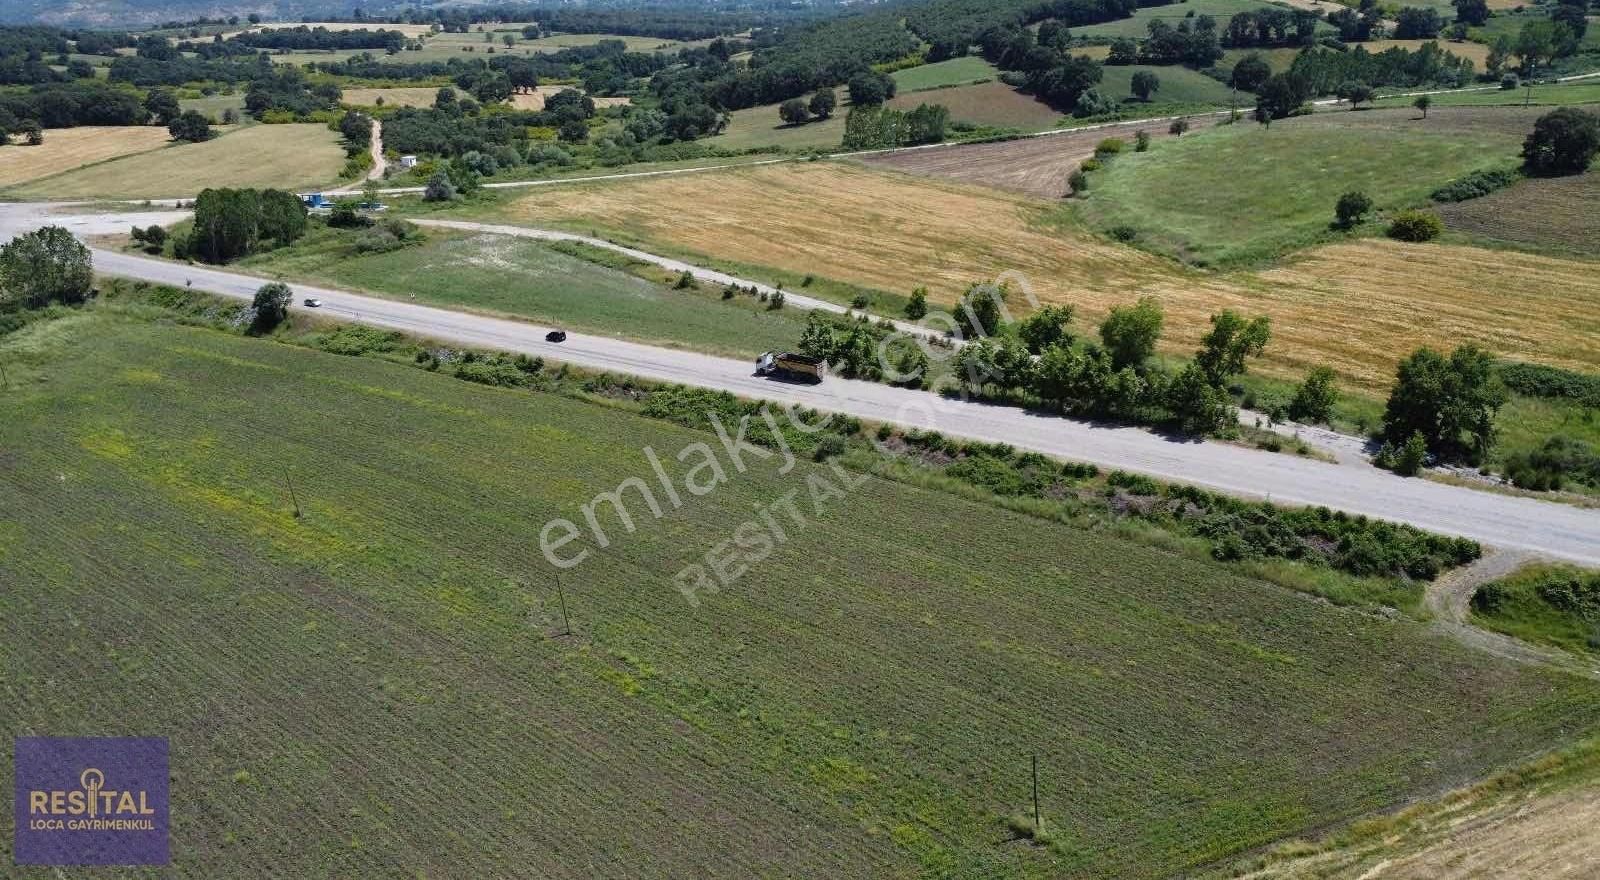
(408, 162)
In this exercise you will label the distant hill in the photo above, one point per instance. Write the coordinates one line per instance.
(125, 13)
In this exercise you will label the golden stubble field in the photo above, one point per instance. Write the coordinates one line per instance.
(1357, 306)
(285, 156)
(67, 148)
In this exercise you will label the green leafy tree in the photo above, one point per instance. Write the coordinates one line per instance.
(1046, 327)
(1563, 141)
(1356, 92)
(871, 88)
(271, 306)
(817, 339)
(1179, 126)
(794, 112)
(1280, 97)
(1473, 13)
(1130, 333)
(1145, 84)
(574, 131)
(440, 188)
(191, 127)
(162, 105)
(981, 310)
(1232, 340)
(1314, 400)
(1251, 71)
(1451, 402)
(823, 103)
(1422, 103)
(43, 267)
(1351, 209)
(1196, 404)
(917, 305)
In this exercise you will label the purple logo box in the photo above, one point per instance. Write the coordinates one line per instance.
(91, 801)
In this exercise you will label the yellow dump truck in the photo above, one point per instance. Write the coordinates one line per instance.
(788, 365)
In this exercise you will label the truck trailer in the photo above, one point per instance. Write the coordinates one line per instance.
(788, 365)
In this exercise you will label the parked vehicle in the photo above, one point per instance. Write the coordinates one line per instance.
(556, 336)
(788, 365)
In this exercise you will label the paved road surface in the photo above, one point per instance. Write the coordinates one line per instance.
(1498, 520)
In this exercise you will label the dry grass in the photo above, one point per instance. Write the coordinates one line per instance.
(68, 148)
(535, 99)
(990, 103)
(1355, 306)
(402, 97)
(410, 30)
(285, 156)
(1477, 53)
(1032, 166)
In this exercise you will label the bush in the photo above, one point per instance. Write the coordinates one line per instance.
(1416, 226)
(1475, 185)
(1410, 458)
(1141, 141)
(1091, 165)
(1109, 147)
(1178, 126)
(439, 188)
(1077, 182)
(1549, 467)
(1314, 399)
(345, 216)
(1351, 208)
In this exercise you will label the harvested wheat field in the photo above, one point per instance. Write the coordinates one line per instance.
(534, 100)
(1033, 166)
(67, 148)
(285, 156)
(1477, 53)
(399, 97)
(1356, 306)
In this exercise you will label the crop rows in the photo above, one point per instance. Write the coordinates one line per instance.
(381, 687)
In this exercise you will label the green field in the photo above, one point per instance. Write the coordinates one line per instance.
(762, 127)
(992, 103)
(213, 106)
(1185, 197)
(1580, 92)
(956, 71)
(529, 279)
(284, 156)
(1518, 607)
(863, 703)
(1137, 26)
(1179, 85)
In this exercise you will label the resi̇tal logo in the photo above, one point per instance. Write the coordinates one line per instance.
(91, 801)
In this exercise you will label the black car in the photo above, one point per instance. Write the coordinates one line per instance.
(556, 336)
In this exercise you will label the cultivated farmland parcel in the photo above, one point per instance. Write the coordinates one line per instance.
(380, 688)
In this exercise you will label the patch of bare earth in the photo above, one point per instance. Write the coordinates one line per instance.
(1561, 212)
(1036, 166)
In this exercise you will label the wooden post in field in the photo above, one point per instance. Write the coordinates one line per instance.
(295, 499)
(1038, 827)
(562, 594)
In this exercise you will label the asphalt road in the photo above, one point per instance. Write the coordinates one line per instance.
(1498, 520)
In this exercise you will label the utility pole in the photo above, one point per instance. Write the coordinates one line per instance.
(292, 496)
(562, 594)
(1038, 827)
